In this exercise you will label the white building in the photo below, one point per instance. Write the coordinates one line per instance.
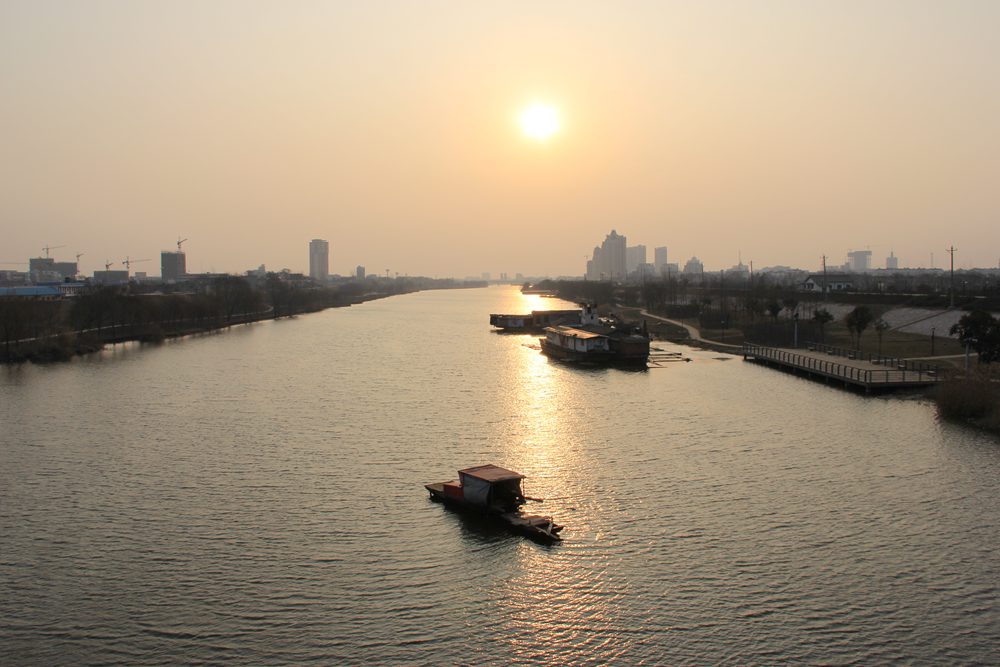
(834, 282)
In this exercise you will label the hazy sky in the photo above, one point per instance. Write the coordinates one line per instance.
(779, 130)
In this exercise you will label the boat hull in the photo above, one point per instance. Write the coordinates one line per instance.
(601, 358)
(539, 528)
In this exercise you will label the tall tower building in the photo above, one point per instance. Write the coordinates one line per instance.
(635, 256)
(319, 260)
(892, 262)
(594, 265)
(173, 265)
(660, 259)
(608, 261)
(859, 261)
(613, 256)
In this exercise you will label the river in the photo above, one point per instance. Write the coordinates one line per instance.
(255, 496)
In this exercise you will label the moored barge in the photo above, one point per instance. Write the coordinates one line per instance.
(595, 342)
(535, 321)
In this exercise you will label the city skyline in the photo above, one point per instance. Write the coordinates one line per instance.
(777, 133)
(852, 260)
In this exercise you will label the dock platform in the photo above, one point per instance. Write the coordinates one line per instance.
(872, 374)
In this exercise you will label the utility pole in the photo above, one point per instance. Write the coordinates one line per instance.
(824, 279)
(951, 251)
(722, 304)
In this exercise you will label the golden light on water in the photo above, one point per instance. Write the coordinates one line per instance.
(539, 121)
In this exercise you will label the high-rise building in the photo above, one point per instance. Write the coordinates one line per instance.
(66, 269)
(319, 259)
(660, 259)
(635, 256)
(892, 262)
(594, 265)
(48, 269)
(859, 261)
(173, 265)
(360, 272)
(694, 267)
(39, 264)
(608, 262)
(110, 277)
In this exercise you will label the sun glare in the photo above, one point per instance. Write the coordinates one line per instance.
(539, 121)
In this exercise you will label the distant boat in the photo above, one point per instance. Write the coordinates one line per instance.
(535, 321)
(537, 291)
(596, 342)
(496, 492)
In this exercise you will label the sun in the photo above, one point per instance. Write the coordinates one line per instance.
(539, 121)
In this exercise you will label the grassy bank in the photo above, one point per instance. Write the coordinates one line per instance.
(973, 399)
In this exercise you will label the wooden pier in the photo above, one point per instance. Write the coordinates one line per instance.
(845, 366)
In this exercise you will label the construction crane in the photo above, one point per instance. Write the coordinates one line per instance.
(79, 255)
(128, 262)
(51, 247)
(179, 242)
(107, 265)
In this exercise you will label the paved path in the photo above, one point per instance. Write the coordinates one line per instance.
(693, 333)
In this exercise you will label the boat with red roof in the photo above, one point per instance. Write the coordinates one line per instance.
(496, 492)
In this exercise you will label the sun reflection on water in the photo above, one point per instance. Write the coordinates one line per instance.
(547, 602)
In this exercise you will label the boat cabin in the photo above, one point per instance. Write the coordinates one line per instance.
(495, 492)
(491, 486)
(510, 321)
(578, 340)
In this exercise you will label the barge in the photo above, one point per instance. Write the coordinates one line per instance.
(496, 493)
(535, 321)
(597, 342)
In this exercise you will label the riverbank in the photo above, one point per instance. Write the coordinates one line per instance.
(972, 399)
(65, 345)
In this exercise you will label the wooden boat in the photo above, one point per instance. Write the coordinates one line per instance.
(495, 492)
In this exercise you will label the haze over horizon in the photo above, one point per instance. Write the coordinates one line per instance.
(773, 131)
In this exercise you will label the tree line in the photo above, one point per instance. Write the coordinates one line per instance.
(58, 328)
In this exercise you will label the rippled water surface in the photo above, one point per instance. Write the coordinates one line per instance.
(255, 497)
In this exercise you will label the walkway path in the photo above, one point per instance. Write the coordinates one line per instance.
(868, 374)
(693, 333)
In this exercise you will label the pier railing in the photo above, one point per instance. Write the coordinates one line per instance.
(877, 359)
(890, 375)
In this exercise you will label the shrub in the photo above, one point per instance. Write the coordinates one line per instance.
(974, 398)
